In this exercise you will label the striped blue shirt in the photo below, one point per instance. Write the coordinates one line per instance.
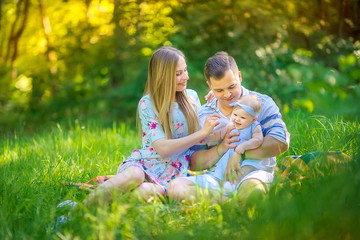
(269, 118)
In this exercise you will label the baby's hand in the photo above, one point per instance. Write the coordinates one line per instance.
(239, 149)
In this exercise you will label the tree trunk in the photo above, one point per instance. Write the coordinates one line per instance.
(49, 50)
(1, 31)
(341, 17)
(118, 41)
(321, 13)
(15, 34)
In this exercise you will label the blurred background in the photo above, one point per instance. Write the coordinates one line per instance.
(73, 59)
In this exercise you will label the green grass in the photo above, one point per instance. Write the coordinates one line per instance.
(33, 168)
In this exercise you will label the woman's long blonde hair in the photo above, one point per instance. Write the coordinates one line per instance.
(161, 86)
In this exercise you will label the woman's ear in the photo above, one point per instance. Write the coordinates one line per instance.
(255, 118)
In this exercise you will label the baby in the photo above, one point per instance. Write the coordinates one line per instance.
(244, 118)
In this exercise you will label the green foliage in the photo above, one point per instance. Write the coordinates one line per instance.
(33, 168)
(296, 79)
(324, 208)
(312, 133)
(61, 59)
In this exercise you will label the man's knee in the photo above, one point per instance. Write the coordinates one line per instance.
(251, 187)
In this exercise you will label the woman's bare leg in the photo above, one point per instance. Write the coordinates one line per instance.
(185, 191)
(180, 190)
(149, 190)
(130, 178)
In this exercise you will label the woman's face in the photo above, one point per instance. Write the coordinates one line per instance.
(181, 75)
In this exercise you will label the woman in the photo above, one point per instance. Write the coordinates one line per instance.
(169, 125)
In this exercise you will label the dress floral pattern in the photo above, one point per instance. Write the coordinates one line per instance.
(157, 169)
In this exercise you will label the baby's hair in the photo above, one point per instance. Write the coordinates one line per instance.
(251, 101)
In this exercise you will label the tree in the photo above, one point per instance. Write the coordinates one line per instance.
(17, 29)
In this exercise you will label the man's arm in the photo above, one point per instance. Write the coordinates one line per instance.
(203, 159)
(276, 136)
(270, 148)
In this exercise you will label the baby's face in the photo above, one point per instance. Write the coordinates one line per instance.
(241, 119)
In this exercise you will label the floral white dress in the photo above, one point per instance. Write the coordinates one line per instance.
(157, 169)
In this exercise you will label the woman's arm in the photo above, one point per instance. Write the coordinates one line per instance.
(167, 147)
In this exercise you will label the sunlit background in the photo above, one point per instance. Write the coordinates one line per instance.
(78, 59)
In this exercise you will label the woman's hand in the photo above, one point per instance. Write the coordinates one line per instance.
(233, 171)
(210, 96)
(210, 122)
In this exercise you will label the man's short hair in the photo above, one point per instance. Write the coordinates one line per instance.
(217, 65)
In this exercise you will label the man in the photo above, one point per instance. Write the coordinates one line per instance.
(224, 79)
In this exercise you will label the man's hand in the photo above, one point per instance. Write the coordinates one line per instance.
(230, 138)
(233, 171)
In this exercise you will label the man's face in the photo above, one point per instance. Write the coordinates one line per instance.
(227, 89)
